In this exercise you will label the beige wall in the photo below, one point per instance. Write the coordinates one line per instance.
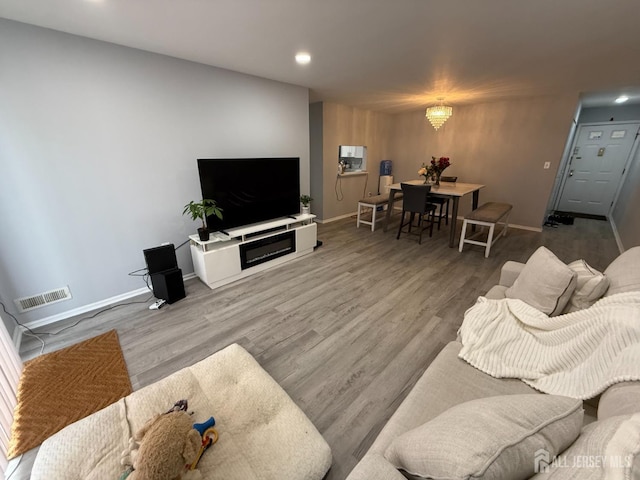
(343, 125)
(502, 145)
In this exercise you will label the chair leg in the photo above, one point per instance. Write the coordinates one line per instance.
(433, 212)
(358, 218)
(401, 222)
(421, 219)
(462, 235)
(373, 218)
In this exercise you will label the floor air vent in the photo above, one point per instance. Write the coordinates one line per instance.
(25, 304)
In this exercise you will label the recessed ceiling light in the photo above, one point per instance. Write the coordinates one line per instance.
(622, 99)
(303, 58)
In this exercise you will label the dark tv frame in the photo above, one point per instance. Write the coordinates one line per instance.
(250, 190)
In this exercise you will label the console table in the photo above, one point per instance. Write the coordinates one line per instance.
(252, 248)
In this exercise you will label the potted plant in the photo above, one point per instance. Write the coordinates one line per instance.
(305, 200)
(202, 210)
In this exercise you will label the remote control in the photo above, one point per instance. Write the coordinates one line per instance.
(157, 305)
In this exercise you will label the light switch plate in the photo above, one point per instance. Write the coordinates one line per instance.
(547, 165)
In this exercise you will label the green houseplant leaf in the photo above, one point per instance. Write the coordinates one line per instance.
(201, 210)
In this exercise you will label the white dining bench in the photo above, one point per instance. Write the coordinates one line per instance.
(373, 203)
(487, 215)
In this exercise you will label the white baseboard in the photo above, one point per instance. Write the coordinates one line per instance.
(616, 235)
(333, 219)
(92, 306)
(525, 227)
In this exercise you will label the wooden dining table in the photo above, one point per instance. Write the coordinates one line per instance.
(451, 190)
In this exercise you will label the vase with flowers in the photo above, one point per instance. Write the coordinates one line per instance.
(434, 169)
(424, 171)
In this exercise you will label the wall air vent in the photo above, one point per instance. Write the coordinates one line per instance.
(26, 304)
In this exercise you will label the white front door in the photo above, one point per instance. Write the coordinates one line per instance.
(600, 154)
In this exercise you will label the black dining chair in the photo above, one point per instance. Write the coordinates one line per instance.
(442, 202)
(414, 202)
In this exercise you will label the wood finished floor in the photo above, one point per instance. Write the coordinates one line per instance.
(346, 331)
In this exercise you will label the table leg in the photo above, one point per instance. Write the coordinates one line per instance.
(392, 193)
(454, 221)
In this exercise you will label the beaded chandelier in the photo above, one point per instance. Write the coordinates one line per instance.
(439, 114)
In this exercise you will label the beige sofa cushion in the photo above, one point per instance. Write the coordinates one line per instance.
(591, 285)
(448, 381)
(606, 450)
(624, 272)
(545, 283)
(375, 467)
(491, 438)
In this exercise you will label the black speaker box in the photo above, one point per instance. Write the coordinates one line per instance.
(160, 258)
(168, 285)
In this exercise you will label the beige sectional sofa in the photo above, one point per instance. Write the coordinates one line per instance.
(611, 427)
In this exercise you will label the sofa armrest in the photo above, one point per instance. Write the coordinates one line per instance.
(509, 273)
(619, 399)
(374, 466)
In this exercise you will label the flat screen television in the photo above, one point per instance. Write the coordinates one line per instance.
(250, 190)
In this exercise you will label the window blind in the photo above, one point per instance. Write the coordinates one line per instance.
(10, 368)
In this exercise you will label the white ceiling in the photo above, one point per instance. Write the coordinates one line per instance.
(387, 55)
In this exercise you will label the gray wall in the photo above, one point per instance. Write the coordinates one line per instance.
(98, 149)
(316, 155)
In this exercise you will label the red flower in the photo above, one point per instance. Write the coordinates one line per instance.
(440, 164)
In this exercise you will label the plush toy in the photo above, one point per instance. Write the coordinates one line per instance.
(167, 442)
(164, 447)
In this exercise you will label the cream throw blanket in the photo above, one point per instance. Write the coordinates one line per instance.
(578, 355)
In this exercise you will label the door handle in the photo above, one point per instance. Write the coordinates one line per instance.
(571, 173)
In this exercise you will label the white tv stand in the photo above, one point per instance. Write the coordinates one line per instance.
(252, 248)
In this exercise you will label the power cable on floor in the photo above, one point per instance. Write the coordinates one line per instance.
(28, 331)
(135, 273)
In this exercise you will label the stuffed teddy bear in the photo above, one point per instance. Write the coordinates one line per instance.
(165, 444)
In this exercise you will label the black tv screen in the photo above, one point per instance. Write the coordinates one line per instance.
(250, 190)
